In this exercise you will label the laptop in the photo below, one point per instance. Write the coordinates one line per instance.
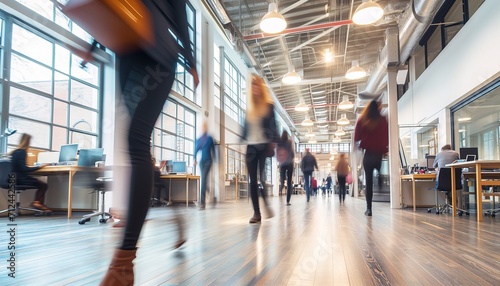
(88, 157)
(470, 158)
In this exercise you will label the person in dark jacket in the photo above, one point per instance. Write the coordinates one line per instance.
(285, 145)
(372, 134)
(343, 169)
(22, 171)
(259, 132)
(307, 165)
(146, 78)
(205, 144)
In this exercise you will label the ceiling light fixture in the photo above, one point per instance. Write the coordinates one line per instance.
(367, 13)
(323, 126)
(345, 103)
(355, 72)
(307, 122)
(336, 139)
(462, 119)
(310, 134)
(343, 120)
(301, 107)
(273, 22)
(291, 77)
(328, 56)
(312, 141)
(340, 132)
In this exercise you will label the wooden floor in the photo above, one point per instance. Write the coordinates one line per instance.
(315, 243)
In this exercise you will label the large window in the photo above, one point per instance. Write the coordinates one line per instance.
(476, 122)
(184, 83)
(174, 133)
(234, 92)
(49, 95)
(217, 78)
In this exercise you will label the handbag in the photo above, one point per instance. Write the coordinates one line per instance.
(121, 25)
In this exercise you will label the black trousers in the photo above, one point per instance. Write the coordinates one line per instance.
(256, 161)
(371, 161)
(286, 171)
(145, 86)
(342, 189)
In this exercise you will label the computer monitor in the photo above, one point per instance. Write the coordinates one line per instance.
(468, 151)
(179, 167)
(68, 153)
(430, 162)
(88, 157)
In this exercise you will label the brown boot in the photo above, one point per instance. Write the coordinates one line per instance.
(121, 269)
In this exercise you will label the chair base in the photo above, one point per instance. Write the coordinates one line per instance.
(16, 211)
(100, 212)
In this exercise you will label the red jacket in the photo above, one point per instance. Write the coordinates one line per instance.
(314, 183)
(376, 140)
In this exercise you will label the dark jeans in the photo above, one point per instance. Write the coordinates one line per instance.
(342, 189)
(205, 169)
(286, 170)
(371, 161)
(307, 184)
(256, 161)
(145, 86)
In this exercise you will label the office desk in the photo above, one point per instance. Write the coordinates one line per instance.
(480, 181)
(183, 177)
(415, 178)
(66, 170)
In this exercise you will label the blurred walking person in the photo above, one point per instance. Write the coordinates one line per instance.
(146, 78)
(342, 172)
(372, 135)
(205, 144)
(307, 165)
(261, 135)
(285, 156)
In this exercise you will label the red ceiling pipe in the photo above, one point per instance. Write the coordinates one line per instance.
(298, 29)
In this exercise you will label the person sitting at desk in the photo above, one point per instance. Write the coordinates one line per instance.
(18, 159)
(444, 157)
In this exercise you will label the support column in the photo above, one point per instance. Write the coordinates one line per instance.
(394, 164)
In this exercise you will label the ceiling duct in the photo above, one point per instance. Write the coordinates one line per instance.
(411, 28)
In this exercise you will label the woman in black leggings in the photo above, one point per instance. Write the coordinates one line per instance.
(146, 78)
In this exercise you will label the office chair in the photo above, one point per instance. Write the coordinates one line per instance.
(99, 186)
(444, 185)
(493, 210)
(5, 172)
(158, 187)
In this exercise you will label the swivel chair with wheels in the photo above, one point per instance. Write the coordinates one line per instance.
(100, 188)
(7, 183)
(444, 186)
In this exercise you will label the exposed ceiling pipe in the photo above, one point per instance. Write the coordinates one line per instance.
(411, 28)
(299, 29)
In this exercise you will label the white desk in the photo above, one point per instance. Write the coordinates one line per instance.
(183, 177)
(415, 178)
(480, 181)
(66, 170)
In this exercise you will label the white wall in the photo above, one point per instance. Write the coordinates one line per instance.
(468, 62)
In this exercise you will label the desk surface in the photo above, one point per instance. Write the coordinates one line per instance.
(490, 164)
(179, 176)
(50, 170)
(419, 176)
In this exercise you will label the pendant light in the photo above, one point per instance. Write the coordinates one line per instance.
(367, 13)
(291, 77)
(336, 139)
(340, 132)
(343, 120)
(307, 122)
(301, 107)
(310, 133)
(273, 22)
(345, 103)
(355, 72)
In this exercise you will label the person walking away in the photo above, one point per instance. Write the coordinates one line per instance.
(372, 135)
(22, 171)
(329, 183)
(205, 144)
(444, 157)
(307, 165)
(285, 156)
(342, 172)
(146, 78)
(260, 133)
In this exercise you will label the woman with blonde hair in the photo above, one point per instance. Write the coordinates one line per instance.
(372, 133)
(22, 171)
(261, 134)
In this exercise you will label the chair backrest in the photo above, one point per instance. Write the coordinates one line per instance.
(5, 170)
(444, 179)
